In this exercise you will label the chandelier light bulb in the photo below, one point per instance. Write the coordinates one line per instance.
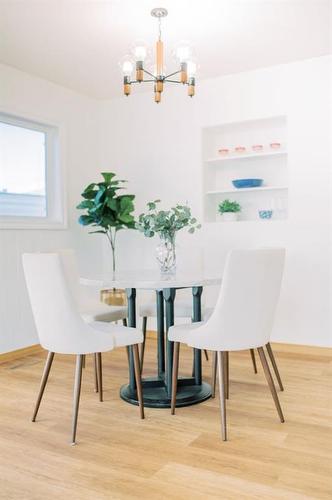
(140, 53)
(183, 53)
(191, 69)
(127, 67)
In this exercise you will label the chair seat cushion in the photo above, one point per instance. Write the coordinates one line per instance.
(122, 335)
(97, 311)
(181, 310)
(200, 336)
(184, 333)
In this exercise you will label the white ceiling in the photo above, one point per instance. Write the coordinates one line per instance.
(78, 43)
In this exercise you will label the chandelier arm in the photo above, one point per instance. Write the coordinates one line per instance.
(150, 74)
(142, 81)
(172, 74)
(172, 81)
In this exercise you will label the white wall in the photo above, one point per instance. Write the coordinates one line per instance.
(25, 95)
(158, 148)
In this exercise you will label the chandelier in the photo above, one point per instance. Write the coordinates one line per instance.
(186, 72)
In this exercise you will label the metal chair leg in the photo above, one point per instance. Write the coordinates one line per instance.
(124, 321)
(221, 375)
(43, 383)
(175, 376)
(206, 355)
(145, 320)
(226, 368)
(214, 374)
(253, 359)
(77, 393)
(274, 364)
(100, 376)
(270, 382)
(96, 371)
(138, 380)
(83, 364)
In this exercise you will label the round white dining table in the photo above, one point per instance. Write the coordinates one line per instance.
(157, 390)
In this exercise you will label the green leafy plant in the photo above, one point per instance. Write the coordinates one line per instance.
(166, 223)
(106, 209)
(227, 206)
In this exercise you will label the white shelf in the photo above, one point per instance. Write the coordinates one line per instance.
(246, 156)
(270, 165)
(246, 190)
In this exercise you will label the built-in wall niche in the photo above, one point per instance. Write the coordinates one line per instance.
(255, 149)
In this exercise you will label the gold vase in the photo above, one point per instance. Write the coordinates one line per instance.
(114, 297)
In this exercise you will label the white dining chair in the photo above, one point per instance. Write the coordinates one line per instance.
(62, 330)
(88, 302)
(184, 309)
(242, 319)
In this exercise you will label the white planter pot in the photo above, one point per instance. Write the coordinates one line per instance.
(229, 217)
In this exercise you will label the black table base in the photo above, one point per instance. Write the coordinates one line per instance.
(155, 393)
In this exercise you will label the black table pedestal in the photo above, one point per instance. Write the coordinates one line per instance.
(157, 391)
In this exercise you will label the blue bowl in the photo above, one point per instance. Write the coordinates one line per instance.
(247, 183)
(265, 214)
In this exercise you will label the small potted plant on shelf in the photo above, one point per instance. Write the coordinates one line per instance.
(109, 212)
(229, 210)
(166, 223)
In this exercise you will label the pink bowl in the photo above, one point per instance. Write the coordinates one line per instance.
(240, 149)
(275, 145)
(223, 151)
(257, 147)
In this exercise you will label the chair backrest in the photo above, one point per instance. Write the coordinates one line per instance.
(248, 297)
(59, 325)
(85, 296)
(70, 268)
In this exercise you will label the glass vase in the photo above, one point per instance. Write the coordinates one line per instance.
(166, 255)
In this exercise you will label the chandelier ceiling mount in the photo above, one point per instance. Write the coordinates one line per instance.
(159, 12)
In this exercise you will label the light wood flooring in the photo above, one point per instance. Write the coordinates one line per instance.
(119, 456)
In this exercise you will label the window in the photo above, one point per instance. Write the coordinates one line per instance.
(30, 181)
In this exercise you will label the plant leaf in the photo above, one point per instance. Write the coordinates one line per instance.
(85, 204)
(108, 176)
(85, 220)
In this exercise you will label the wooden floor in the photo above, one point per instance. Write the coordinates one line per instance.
(118, 456)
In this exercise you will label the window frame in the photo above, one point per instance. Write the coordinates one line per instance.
(54, 179)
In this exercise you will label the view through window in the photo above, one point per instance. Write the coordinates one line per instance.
(22, 171)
